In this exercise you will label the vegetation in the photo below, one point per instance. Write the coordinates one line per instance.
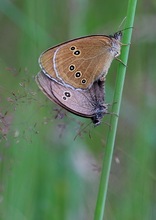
(50, 160)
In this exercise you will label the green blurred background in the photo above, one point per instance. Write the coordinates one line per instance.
(50, 164)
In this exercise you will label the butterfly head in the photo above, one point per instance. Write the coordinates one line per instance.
(116, 44)
(118, 35)
(100, 112)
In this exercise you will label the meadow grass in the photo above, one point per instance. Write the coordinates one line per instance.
(44, 172)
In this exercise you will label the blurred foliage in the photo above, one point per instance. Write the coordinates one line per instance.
(50, 160)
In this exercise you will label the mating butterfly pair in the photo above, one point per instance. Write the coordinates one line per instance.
(73, 74)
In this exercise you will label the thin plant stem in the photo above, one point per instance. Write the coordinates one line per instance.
(107, 160)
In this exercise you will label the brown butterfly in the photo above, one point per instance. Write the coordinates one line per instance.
(80, 62)
(85, 103)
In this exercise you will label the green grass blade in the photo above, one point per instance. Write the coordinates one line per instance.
(100, 206)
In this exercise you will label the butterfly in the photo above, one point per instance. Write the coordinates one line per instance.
(85, 103)
(78, 63)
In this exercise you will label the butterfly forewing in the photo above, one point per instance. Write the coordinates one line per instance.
(78, 63)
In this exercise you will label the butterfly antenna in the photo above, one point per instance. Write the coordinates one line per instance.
(126, 28)
(120, 25)
(82, 130)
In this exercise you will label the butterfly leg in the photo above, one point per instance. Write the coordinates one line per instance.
(120, 61)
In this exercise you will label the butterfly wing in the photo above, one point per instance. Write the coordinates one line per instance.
(85, 103)
(79, 62)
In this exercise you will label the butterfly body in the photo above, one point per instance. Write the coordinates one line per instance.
(80, 62)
